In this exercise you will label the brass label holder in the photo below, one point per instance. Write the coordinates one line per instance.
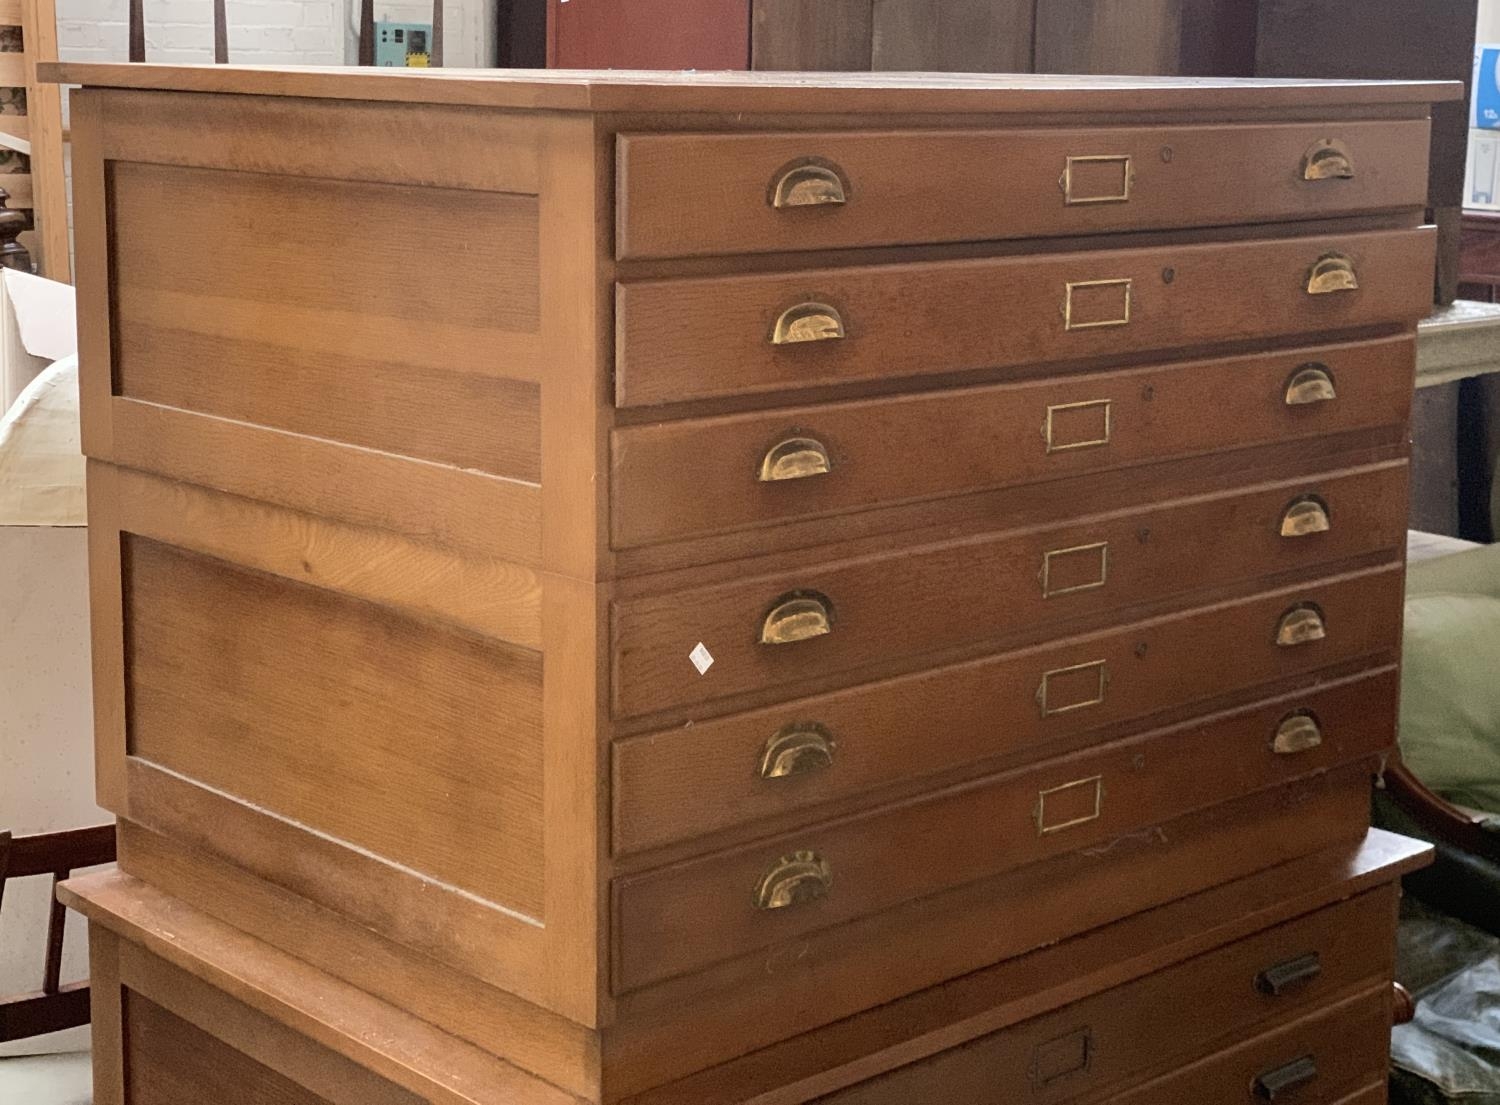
(1091, 790)
(1079, 166)
(1076, 554)
(1077, 290)
(1058, 413)
(1094, 676)
(1057, 1059)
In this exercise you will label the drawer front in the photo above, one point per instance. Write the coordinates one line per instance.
(697, 194)
(681, 783)
(825, 621)
(694, 913)
(683, 479)
(703, 337)
(1118, 1037)
(1321, 1059)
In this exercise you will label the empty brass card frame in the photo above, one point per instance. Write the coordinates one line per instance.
(1127, 177)
(1044, 689)
(1057, 1059)
(1049, 428)
(1125, 283)
(1045, 575)
(1039, 815)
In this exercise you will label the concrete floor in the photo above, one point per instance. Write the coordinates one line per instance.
(46, 1080)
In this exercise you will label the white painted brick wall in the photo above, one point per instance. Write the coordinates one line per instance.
(261, 32)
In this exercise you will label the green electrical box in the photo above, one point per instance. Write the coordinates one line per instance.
(408, 45)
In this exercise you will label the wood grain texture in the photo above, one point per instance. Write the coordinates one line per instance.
(261, 998)
(487, 595)
(450, 415)
(352, 143)
(968, 36)
(1108, 36)
(419, 744)
(107, 1032)
(693, 914)
(821, 94)
(44, 129)
(682, 783)
(470, 512)
(1164, 1019)
(1004, 993)
(554, 1048)
(1346, 1040)
(920, 601)
(824, 35)
(576, 333)
(656, 34)
(94, 295)
(886, 528)
(697, 194)
(1348, 1043)
(694, 477)
(342, 340)
(883, 956)
(173, 1062)
(708, 337)
(107, 637)
(401, 659)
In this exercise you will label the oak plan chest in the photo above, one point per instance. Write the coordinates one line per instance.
(712, 588)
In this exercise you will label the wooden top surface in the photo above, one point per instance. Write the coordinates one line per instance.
(802, 93)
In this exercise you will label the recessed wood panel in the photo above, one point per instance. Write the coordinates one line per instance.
(293, 303)
(171, 1062)
(414, 740)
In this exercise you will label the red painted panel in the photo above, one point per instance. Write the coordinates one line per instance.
(649, 34)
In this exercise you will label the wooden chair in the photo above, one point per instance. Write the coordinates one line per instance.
(55, 1006)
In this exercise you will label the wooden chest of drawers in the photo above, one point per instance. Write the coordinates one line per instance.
(649, 570)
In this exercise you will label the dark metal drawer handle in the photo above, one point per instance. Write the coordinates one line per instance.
(1274, 1085)
(1290, 975)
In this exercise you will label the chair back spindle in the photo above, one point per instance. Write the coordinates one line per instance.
(137, 32)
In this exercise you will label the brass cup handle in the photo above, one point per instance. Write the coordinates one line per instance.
(805, 322)
(1299, 732)
(794, 879)
(797, 749)
(807, 185)
(1305, 516)
(1311, 383)
(1301, 625)
(796, 458)
(1327, 159)
(797, 617)
(1333, 272)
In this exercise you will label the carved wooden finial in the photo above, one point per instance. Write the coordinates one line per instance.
(13, 255)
